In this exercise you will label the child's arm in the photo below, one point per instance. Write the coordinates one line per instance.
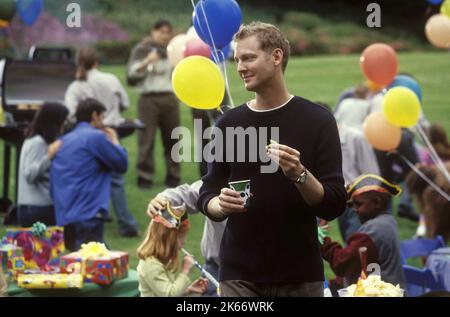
(345, 261)
(157, 278)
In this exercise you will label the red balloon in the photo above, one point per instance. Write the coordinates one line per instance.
(196, 46)
(379, 63)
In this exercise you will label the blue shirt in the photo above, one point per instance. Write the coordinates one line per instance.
(80, 175)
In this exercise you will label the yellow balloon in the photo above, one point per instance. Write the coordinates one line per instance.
(445, 8)
(401, 107)
(198, 83)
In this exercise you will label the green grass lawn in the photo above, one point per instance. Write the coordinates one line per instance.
(315, 78)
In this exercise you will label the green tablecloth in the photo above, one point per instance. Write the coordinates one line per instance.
(127, 287)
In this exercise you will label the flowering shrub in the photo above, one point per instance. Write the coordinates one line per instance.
(48, 30)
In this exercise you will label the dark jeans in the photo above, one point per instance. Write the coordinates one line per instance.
(212, 268)
(237, 288)
(75, 234)
(406, 201)
(27, 215)
(126, 222)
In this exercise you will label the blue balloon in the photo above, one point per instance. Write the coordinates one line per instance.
(408, 82)
(223, 53)
(224, 18)
(29, 10)
(435, 2)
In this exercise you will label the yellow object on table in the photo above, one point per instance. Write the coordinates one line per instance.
(50, 281)
(373, 286)
(93, 249)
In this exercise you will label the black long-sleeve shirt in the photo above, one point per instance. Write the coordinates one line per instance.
(276, 239)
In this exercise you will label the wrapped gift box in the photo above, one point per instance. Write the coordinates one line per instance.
(49, 281)
(40, 249)
(102, 270)
(12, 260)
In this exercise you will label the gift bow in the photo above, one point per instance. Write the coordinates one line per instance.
(38, 229)
(93, 249)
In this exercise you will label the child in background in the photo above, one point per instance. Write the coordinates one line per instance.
(158, 254)
(369, 194)
(438, 138)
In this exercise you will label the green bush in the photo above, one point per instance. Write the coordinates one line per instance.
(313, 30)
(304, 21)
(114, 52)
(311, 34)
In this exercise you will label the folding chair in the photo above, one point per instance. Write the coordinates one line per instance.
(419, 281)
(419, 247)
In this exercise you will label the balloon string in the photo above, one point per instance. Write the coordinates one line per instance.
(215, 51)
(433, 153)
(227, 84)
(215, 54)
(425, 178)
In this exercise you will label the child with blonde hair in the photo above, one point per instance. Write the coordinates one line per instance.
(158, 254)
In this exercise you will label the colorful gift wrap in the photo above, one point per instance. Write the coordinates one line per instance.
(12, 260)
(49, 281)
(104, 269)
(42, 246)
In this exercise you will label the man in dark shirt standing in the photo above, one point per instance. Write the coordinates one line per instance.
(271, 247)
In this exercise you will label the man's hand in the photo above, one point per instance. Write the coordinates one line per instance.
(152, 57)
(112, 135)
(287, 158)
(156, 204)
(53, 149)
(228, 202)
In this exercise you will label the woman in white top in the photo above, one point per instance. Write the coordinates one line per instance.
(92, 83)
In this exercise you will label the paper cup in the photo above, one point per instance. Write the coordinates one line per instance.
(343, 292)
(243, 188)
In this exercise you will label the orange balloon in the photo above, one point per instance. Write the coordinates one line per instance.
(380, 133)
(379, 63)
(437, 31)
(3, 24)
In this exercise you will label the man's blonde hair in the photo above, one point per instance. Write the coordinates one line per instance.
(269, 37)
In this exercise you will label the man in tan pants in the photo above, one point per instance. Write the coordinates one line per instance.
(150, 71)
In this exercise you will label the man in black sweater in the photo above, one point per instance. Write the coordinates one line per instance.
(271, 247)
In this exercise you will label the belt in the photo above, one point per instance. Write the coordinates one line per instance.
(155, 93)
